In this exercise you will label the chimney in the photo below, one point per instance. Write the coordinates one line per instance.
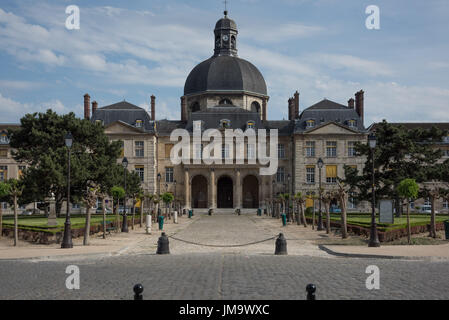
(296, 105)
(264, 109)
(351, 103)
(153, 107)
(291, 109)
(359, 104)
(86, 106)
(94, 107)
(183, 109)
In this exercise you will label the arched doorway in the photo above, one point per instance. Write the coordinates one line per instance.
(224, 193)
(199, 192)
(250, 192)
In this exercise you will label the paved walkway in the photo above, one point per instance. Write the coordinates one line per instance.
(220, 233)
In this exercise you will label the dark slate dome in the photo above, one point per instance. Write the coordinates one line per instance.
(225, 73)
(225, 24)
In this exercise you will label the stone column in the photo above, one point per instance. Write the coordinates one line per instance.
(52, 215)
(238, 184)
(213, 188)
(187, 189)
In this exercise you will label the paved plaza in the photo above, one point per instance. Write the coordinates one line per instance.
(193, 272)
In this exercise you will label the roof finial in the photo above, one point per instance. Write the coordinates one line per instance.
(226, 7)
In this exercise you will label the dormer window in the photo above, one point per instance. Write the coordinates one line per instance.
(225, 123)
(310, 123)
(352, 123)
(99, 122)
(225, 101)
(4, 138)
(139, 123)
(250, 124)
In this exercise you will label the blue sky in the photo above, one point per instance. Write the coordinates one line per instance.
(132, 49)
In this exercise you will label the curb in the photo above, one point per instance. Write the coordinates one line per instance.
(374, 256)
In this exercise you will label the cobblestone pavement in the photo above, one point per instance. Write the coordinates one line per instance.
(193, 272)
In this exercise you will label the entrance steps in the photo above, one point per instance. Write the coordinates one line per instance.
(225, 211)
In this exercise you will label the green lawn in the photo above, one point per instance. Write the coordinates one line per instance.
(40, 223)
(364, 220)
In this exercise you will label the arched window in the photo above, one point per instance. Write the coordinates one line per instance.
(310, 123)
(225, 123)
(255, 107)
(194, 107)
(225, 101)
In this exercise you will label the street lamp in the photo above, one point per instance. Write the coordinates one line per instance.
(374, 239)
(158, 193)
(174, 184)
(125, 218)
(272, 199)
(320, 217)
(288, 200)
(67, 240)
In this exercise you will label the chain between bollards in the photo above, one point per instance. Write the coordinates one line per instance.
(138, 289)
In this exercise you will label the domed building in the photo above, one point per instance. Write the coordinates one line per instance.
(229, 92)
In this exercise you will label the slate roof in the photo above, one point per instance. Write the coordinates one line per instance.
(226, 24)
(327, 111)
(225, 73)
(125, 112)
(415, 125)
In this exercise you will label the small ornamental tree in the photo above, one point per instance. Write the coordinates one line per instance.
(301, 200)
(167, 197)
(11, 193)
(117, 193)
(408, 189)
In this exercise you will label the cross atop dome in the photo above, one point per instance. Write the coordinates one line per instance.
(225, 36)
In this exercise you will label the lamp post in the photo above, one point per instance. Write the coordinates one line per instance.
(374, 239)
(67, 240)
(272, 199)
(288, 200)
(320, 217)
(125, 218)
(174, 184)
(158, 194)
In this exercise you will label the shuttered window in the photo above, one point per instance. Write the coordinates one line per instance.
(331, 174)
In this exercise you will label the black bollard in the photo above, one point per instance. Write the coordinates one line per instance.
(281, 245)
(163, 245)
(311, 288)
(138, 289)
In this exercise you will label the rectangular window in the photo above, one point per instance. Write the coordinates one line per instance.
(445, 204)
(225, 151)
(310, 174)
(3, 153)
(427, 203)
(310, 148)
(139, 123)
(251, 148)
(281, 151)
(140, 149)
(75, 206)
(3, 173)
(168, 148)
(331, 174)
(280, 175)
(169, 175)
(140, 170)
(351, 149)
(331, 149)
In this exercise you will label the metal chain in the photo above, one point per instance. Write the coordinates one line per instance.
(222, 246)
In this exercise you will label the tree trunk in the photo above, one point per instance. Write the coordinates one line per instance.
(433, 227)
(409, 231)
(134, 213)
(16, 231)
(1, 220)
(87, 228)
(397, 204)
(103, 203)
(58, 206)
(141, 212)
(313, 216)
(298, 215)
(303, 215)
(344, 225)
(328, 218)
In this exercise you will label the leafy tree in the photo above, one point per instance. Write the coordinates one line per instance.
(400, 153)
(408, 189)
(39, 143)
(167, 197)
(4, 194)
(11, 191)
(342, 196)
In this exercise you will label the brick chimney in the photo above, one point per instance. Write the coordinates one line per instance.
(291, 109)
(351, 103)
(359, 104)
(94, 107)
(153, 107)
(86, 106)
(183, 109)
(296, 105)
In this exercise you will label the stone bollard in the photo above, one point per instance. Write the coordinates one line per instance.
(281, 245)
(284, 219)
(311, 288)
(163, 244)
(138, 289)
(161, 222)
(175, 217)
(211, 211)
(148, 224)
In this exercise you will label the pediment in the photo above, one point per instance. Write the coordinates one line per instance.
(331, 128)
(120, 127)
